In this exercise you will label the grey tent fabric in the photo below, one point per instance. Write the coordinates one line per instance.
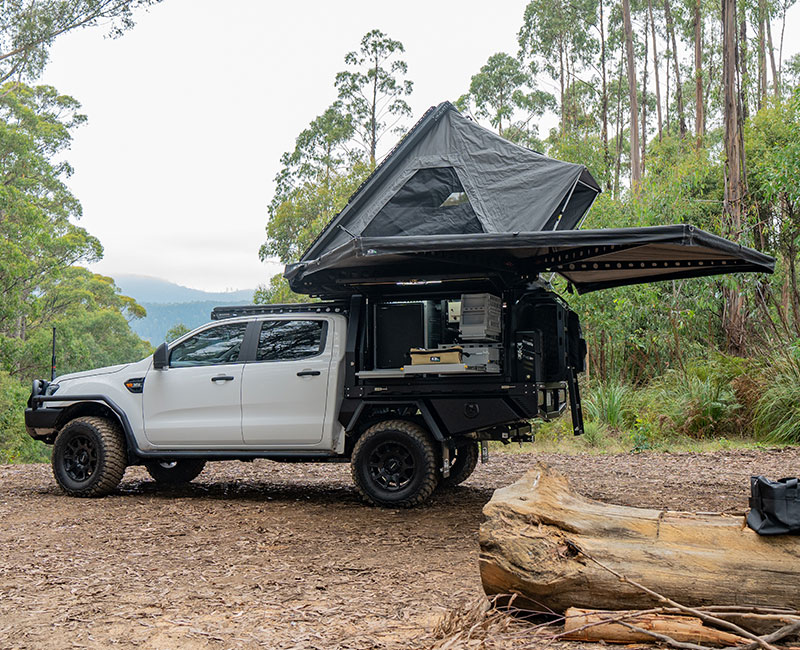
(456, 203)
(589, 259)
(508, 188)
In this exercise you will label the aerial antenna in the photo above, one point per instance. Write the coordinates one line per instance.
(53, 358)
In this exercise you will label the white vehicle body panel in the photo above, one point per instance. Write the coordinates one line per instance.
(283, 410)
(265, 407)
(186, 407)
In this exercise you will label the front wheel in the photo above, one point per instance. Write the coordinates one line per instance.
(175, 472)
(394, 464)
(89, 457)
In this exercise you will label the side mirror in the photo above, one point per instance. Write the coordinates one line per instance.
(161, 357)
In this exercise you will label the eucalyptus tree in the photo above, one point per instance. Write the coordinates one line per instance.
(502, 90)
(29, 27)
(373, 88)
(556, 37)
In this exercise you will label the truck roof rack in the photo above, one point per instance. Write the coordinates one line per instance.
(327, 307)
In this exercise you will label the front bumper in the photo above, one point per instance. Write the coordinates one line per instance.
(40, 423)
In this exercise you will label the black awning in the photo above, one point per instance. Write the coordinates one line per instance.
(589, 259)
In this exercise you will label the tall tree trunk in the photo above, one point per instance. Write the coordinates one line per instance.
(655, 68)
(667, 77)
(743, 69)
(618, 160)
(644, 102)
(561, 80)
(604, 132)
(373, 145)
(678, 86)
(776, 78)
(733, 316)
(636, 168)
(698, 73)
(783, 30)
(762, 55)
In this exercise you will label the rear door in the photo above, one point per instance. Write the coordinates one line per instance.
(196, 402)
(285, 387)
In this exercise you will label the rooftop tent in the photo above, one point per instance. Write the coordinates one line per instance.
(455, 204)
(589, 259)
(449, 175)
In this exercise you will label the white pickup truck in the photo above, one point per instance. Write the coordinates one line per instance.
(275, 383)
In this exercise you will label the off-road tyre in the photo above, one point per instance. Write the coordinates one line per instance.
(89, 457)
(462, 464)
(394, 464)
(175, 472)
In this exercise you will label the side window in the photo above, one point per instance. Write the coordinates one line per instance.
(213, 346)
(289, 340)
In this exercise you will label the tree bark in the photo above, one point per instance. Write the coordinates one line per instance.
(733, 314)
(776, 78)
(644, 104)
(540, 540)
(676, 65)
(604, 132)
(589, 625)
(698, 74)
(655, 68)
(762, 55)
(636, 167)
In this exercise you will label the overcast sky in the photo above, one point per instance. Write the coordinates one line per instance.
(190, 112)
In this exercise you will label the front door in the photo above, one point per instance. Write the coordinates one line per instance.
(196, 402)
(285, 389)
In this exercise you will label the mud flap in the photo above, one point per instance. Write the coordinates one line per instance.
(575, 401)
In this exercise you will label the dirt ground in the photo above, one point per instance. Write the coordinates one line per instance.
(285, 556)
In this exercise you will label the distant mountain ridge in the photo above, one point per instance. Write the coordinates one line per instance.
(145, 288)
(169, 304)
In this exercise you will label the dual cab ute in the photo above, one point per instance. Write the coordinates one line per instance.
(321, 382)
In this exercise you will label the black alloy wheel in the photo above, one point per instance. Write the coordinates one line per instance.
(80, 458)
(391, 466)
(394, 464)
(89, 456)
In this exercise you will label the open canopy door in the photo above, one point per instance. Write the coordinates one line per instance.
(589, 259)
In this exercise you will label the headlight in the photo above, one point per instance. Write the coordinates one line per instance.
(51, 389)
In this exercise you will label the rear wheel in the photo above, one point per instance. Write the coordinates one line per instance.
(89, 457)
(462, 464)
(175, 472)
(394, 464)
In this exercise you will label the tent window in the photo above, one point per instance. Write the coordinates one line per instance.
(432, 201)
(455, 198)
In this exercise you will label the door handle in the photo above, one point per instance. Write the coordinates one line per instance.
(223, 378)
(308, 373)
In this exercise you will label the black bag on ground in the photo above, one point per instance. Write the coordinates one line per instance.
(774, 506)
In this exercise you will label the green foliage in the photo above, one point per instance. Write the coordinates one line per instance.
(501, 89)
(29, 27)
(277, 292)
(175, 332)
(373, 88)
(91, 321)
(777, 413)
(610, 404)
(305, 210)
(16, 446)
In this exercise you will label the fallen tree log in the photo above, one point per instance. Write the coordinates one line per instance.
(539, 538)
(595, 625)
